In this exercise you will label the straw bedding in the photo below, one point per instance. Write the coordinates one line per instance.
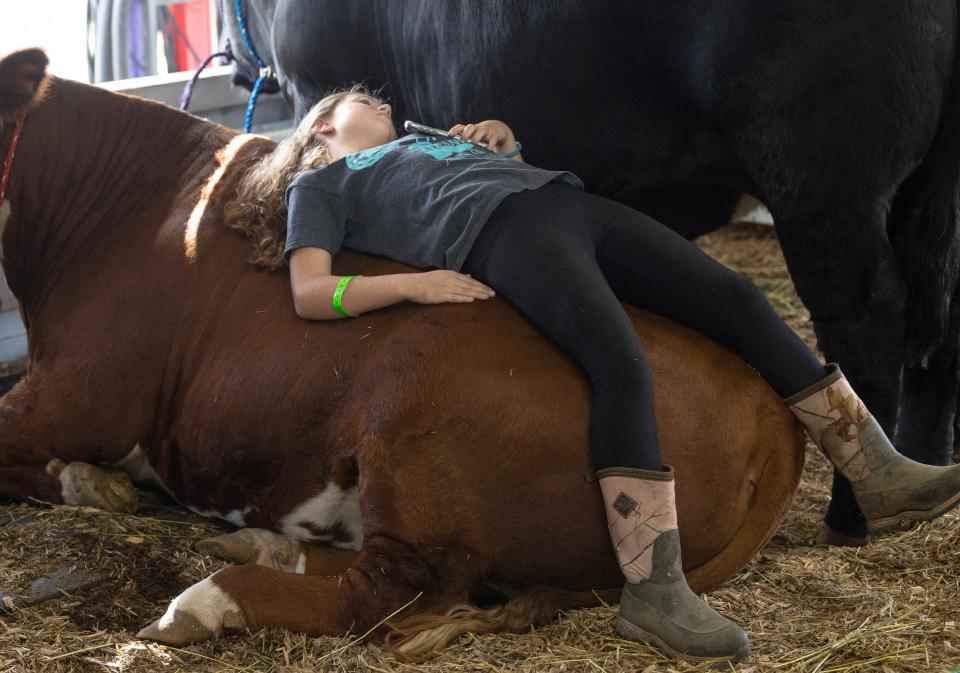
(891, 606)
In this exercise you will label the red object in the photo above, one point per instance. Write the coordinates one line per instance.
(193, 17)
(8, 160)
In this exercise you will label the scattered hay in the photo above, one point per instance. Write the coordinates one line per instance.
(889, 607)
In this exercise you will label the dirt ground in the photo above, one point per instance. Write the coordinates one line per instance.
(889, 607)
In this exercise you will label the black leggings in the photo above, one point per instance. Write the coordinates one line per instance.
(566, 259)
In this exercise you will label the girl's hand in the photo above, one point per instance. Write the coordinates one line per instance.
(493, 133)
(438, 287)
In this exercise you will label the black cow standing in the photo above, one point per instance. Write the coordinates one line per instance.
(842, 117)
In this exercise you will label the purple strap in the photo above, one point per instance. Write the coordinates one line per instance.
(188, 89)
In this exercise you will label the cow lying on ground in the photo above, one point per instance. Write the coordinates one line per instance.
(435, 452)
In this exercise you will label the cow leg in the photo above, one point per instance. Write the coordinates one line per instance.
(76, 483)
(33, 447)
(847, 276)
(830, 175)
(29, 482)
(925, 430)
(23, 474)
(385, 576)
(257, 546)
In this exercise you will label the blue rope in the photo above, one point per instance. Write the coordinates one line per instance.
(265, 71)
(246, 36)
(251, 106)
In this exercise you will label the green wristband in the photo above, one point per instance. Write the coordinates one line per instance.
(338, 296)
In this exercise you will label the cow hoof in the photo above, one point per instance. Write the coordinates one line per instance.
(255, 546)
(832, 538)
(181, 629)
(91, 486)
(236, 547)
(201, 612)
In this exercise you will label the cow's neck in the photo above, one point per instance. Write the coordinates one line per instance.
(88, 165)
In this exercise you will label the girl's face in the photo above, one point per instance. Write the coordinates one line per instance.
(358, 122)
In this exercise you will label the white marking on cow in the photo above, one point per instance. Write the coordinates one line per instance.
(236, 517)
(225, 157)
(138, 468)
(205, 601)
(324, 511)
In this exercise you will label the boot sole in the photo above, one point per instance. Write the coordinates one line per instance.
(633, 632)
(907, 517)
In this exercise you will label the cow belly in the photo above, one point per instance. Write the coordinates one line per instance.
(141, 472)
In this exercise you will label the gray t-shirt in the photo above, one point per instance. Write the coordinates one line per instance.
(420, 199)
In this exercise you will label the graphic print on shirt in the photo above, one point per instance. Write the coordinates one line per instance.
(441, 149)
(445, 149)
(367, 158)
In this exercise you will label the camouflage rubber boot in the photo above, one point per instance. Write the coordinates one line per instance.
(656, 605)
(890, 489)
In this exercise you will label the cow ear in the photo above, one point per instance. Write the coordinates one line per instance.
(23, 81)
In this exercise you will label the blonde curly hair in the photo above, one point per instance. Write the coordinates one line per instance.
(259, 209)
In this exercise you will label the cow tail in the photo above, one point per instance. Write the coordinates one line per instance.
(927, 236)
(421, 637)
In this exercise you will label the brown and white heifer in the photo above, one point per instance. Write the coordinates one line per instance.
(435, 451)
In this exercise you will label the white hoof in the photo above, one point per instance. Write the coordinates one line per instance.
(201, 612)
(256, 546)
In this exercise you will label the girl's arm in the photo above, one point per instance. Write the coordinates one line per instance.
(313, 287)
